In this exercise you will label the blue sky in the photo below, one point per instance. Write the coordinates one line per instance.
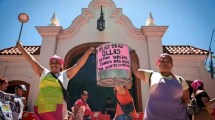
(190, 22)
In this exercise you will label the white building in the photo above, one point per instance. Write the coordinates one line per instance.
(72, 42)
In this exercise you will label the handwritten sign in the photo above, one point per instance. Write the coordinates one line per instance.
(113, 56)
(9, 105)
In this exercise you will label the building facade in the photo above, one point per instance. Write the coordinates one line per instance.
(72, 42)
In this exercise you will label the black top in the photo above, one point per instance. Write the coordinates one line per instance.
(110, 112)
(199, 100)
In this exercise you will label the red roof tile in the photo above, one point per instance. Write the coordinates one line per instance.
(170, 49)
(34, 50)
(183, 50)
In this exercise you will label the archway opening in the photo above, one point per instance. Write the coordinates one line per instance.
(13, 84)
(85, 79)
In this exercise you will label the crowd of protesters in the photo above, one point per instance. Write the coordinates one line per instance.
(51, 103)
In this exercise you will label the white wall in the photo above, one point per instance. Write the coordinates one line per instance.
(191, 67)
(17, 68)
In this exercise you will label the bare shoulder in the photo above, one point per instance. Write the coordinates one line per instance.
(120, 89)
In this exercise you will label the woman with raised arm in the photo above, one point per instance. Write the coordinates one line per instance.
(168, 94)
(50, 104)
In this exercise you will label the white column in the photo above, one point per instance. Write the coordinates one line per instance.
(154, 43)
(49, 42)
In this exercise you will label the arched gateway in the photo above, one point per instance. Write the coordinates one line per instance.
(86, 80)
(72, 42)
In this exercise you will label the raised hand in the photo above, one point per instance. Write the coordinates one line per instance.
(18, 43)
(72, 71)
(91, 50)
(134, 66)
(133, 62)
(30, 58)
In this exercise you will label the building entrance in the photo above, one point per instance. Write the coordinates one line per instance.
(85, 79)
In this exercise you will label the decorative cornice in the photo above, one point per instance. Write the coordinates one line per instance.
(97, 3)
(130, 29)
(75, 26)
(116, 13)
(154, 31)
(86, 14)
(49, 30)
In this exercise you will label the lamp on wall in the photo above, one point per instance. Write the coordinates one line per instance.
(101, 21)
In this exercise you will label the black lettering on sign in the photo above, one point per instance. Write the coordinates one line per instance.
(104, 58)
(117, 46)
(110, 52)
(115, 65)
(125, 61)
(108, 66)
(120, 57)
(106, 62)
(117, 61)
(100, 69)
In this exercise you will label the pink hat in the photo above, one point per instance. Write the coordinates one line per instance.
(58, 58)
(196, 83)
(162, 55)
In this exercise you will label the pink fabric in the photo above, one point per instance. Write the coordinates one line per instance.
(56, 115)
(82, 103)
(58, 58)
(196, 83)
(161, 55)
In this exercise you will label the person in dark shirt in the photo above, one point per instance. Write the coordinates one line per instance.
(203, 100)
(109, 108)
